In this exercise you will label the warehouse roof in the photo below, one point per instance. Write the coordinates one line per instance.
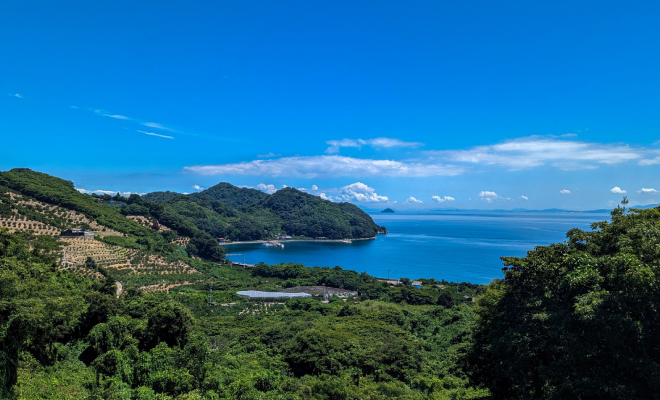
(256, 294)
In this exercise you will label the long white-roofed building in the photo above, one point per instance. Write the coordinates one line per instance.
(256, 294)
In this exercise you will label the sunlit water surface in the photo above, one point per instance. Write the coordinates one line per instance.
(451, 245)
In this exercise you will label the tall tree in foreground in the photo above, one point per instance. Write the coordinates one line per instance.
(576, 320)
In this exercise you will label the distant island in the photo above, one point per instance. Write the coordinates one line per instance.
(387, 210)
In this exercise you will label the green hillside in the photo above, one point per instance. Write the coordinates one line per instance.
(107, 214)
(572, 320)
(257, 215)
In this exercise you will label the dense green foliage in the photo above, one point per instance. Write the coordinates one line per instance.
(243, 214)
(62, 336)
(577, 319)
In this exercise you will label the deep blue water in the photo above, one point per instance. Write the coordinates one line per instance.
(451, 245)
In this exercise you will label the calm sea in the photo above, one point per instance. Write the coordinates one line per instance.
(450, 245)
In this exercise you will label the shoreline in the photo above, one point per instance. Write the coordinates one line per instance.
(295, 240)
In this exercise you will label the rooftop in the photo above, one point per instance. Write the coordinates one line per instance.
(256, 294)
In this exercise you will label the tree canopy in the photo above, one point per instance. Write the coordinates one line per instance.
(577, 319)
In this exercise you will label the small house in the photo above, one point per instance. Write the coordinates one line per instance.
(416, 284)
(222, 240)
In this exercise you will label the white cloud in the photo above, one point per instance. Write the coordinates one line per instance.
(524, 197)
(535, 151)
(412, 200)
(197, 187)
(565, 191)
(268, 155)
(617, 190)
(15, 95)
(327, 166)
(489, 197)
(314, 187)
(647, 190)
(267, 188)
(357, 191)
(156, 134)
(378, 143)
(487, 194)
(110, 192)
(442, 199)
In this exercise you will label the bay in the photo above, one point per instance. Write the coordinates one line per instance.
(455, 246)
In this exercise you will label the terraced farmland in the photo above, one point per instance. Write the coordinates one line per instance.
(124, 261)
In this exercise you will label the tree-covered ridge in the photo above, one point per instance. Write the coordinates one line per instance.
(231, 195)
(254, 217)
(160, 197)
(302, 214)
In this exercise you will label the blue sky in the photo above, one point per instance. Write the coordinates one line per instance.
(480, 104)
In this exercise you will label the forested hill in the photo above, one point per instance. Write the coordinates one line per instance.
(223, 210)
(231, 195)
(242, 214)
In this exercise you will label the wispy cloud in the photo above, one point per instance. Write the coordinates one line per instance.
(15, 95)
(378, 143)
(116, 116)
(158, 126)
(617, 190)
(268, 155)
(647, 190)
(565, 191)
(156, 134)
(327, 166)
(517, 154)
(314, 187)
(442, 199)
(104, 113)
(197, 187)
(535, 151)
(524, 197)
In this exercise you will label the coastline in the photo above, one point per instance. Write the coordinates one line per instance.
(295, 240)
